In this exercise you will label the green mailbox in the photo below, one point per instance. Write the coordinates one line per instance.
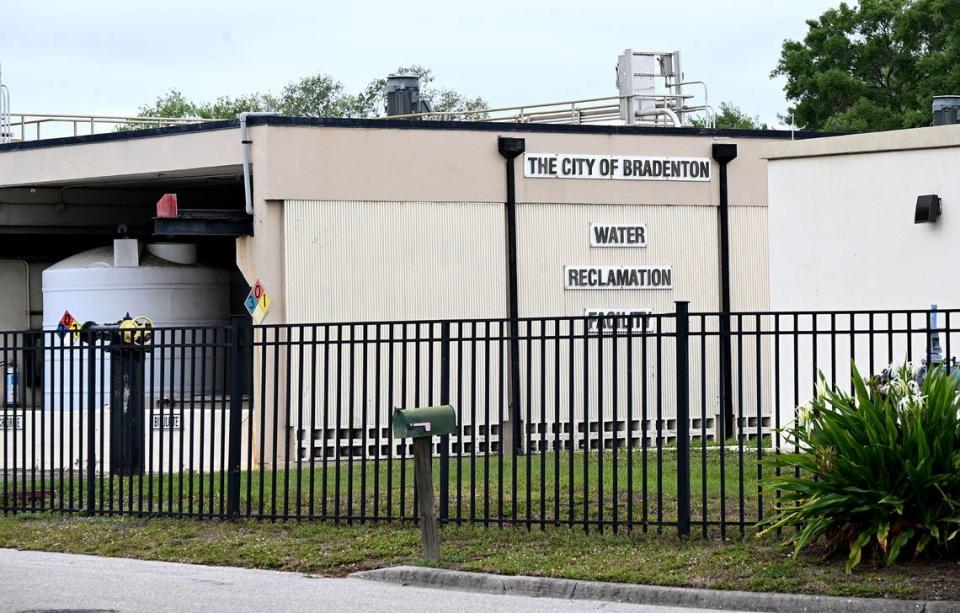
(424, 421)
(422, 424)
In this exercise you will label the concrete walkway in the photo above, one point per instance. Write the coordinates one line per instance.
(35, 581)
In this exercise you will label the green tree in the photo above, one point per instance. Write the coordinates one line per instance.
(731, 117)
(872, 66)
(319, 95)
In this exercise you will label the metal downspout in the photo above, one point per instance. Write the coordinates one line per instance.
(510, 148)
(724, 153)
(245, 156)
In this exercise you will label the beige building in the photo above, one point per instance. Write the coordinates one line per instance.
(391, 220)
(334, 200)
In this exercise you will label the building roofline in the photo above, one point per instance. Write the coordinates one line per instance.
(495, 126)
(406, 124)
(929, 137)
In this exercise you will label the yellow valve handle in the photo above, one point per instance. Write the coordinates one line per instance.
(137, 331)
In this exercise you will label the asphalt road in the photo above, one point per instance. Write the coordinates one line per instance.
(35, 581)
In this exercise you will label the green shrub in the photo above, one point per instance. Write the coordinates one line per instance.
(878, 472)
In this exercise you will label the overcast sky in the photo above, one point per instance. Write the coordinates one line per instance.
(111, 57)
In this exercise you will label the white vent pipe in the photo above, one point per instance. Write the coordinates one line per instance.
(660, 111)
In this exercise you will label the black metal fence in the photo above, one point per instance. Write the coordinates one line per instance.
(636, 422)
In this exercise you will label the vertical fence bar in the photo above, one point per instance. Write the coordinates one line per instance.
(556, 422)
(473, 422)
(377, 409)
(600, 411)
(6, 429)
(224, 424)
(644, 427)
(586, 427)
(660, 423)
(33, 424)
(501, 389)
(301, 432)
(543, 423)
(351, 420)
(459, 443)
(486, 420)
(337, 441)
(683, 418)
(759, 402)
(741, 423)
(776, 405)
(364, 387)
(91, 422)
(402, 456)
(703, 422)
(193, 407)
(445, 439)
(528, 424)
(390, 395)
(236, 406)
(722, 428)
(572, 435)
(630, 443)
(614, 437)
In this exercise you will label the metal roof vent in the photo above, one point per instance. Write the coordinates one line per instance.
(946, 110)
(403, 96)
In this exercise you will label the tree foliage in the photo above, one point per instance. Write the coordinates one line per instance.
(873, 66)
(731, 117)
(318, 95)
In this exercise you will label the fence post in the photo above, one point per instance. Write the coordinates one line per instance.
(445, 439)
(683, 418)
(91, 422)
(236, 408)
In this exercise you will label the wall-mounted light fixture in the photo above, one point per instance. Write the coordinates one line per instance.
(928, 209)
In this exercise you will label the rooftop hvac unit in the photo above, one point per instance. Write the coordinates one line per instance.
(635, 77)
(946, 110)
(637, 72)
(403, 96)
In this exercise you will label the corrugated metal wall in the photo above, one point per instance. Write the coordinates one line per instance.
(554, 235)
(749, 259)
(367, 261)
(375, 261)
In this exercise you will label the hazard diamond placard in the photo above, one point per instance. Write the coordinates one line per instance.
(257, 302)
(68, 324)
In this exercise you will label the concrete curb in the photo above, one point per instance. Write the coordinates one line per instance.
(646, 594)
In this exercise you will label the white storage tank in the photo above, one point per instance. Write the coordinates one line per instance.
(161, 281)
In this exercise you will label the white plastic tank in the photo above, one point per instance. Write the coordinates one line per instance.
(161, 281)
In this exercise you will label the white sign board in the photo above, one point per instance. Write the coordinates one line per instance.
(627, 167)
(618, 235)
(170, 422)
(618, 320)
(11, 422)
(618, 277)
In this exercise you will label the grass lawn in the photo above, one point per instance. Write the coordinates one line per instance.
(335, 550)
(635, 487)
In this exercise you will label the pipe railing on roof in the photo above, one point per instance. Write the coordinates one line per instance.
(5, 131)
(571, 111)
(26, 126)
